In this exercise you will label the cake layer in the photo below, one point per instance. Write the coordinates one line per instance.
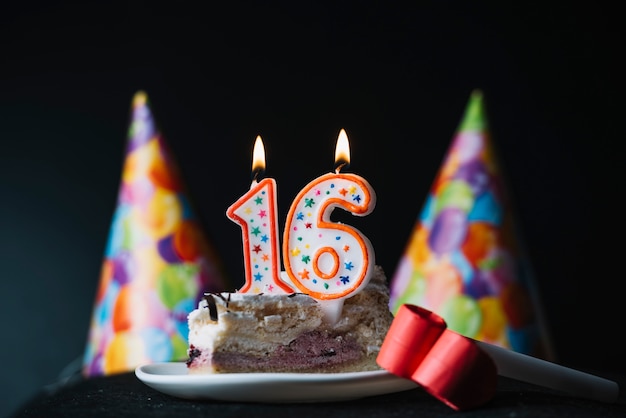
(237, 333)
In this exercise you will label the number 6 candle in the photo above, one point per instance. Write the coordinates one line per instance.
(329, 261)
(255, 212)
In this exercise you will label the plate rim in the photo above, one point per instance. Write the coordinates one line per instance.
(145, 371)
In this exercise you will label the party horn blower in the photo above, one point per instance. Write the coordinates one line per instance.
(464, 259)
(157, 262)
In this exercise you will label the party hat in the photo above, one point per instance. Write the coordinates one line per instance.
(464, 259)
(157, 262)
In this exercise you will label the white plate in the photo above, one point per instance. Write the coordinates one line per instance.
(173, 379)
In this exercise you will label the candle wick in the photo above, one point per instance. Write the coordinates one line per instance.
(256, 174)
(340, 165)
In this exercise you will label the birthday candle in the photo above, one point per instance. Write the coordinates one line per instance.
(327, 260)
(255, 212)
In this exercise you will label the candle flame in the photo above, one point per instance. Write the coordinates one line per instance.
(342, 151)
(258, 158)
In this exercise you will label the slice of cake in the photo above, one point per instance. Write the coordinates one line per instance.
(244, 333)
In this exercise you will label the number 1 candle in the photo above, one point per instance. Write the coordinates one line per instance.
(329, 261)
(255, 212)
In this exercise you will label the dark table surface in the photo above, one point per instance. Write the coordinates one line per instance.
(124, 395)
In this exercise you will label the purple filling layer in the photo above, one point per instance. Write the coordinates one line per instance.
(313, 351)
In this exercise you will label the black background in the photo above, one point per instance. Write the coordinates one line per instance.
(396, 76)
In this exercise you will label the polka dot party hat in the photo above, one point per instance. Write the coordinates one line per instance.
(157, 263)
(464, 260)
